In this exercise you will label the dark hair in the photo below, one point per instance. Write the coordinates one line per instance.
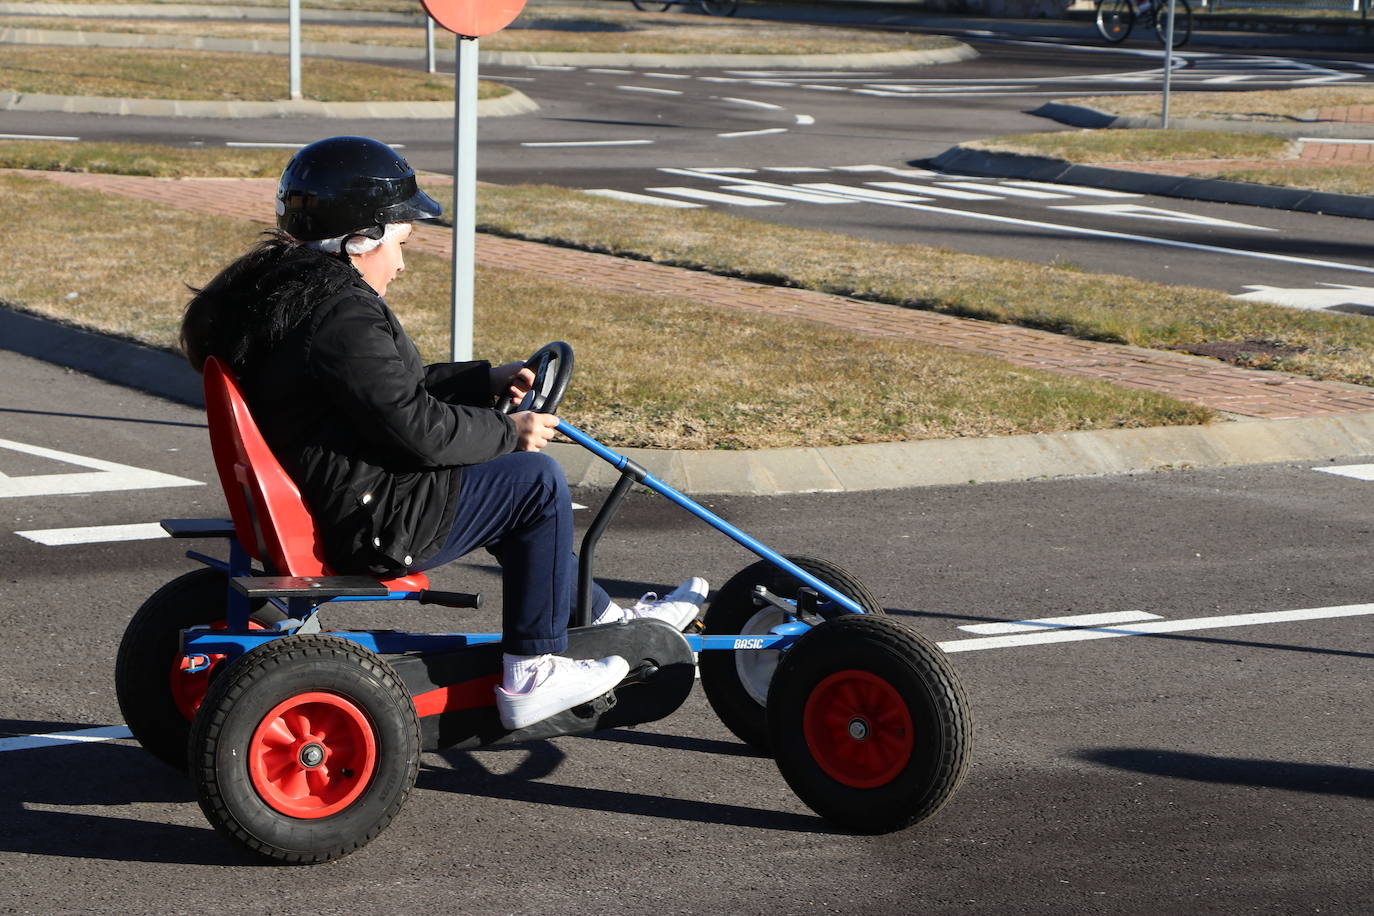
(257, 299)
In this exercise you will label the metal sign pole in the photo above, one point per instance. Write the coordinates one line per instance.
(429, 44)
(464, 196)
(293, 16)
(1168, 63)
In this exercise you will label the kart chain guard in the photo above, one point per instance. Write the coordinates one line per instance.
(454, 698)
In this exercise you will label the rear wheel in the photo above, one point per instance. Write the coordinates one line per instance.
(869, 724)
(305, 749)
(157, 696)
(651, 6)
(720, 7)
(736, 681)
(1183, 22)
(1115, 18)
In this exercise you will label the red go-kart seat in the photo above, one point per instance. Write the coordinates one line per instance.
(271, 520)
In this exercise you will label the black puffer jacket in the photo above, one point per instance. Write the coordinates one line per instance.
(374, 439)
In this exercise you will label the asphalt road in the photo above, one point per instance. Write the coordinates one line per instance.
(1217, 766)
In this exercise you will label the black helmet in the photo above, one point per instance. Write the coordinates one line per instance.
(348, 186)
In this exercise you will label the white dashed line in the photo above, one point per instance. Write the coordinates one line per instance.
(94, 534)
(752, 103)
(754, 133)
(550, 143)
(653, 89)
(716, 197)
(631, 197)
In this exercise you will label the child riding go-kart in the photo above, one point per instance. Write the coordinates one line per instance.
(303, 743)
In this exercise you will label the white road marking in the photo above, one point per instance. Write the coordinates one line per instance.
(40, 137)
(587, 143)
(754, 133)
(654, 89)
(722, 170)
(806, 197)
(792, 168)
(933, 190)
(869, 195)
(1082, 190)
(1040, 624)
(670, 76)
(1009, 191)
(102, 476)
(610, 70)
(1332, 294)
(1149, 628)
(715, 197)
(805, 119)
(631, 197)
(1083, 230)
(825, 88)
(1357, 471)
(58, 739)
(94, 534)
(889, 170)
(1140, 211)
(753, 103)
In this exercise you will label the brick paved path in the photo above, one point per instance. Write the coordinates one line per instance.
(1242, 392)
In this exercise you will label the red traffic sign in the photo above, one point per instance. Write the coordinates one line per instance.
(473, 18)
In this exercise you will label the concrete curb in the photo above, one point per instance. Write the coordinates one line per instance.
(1084, 116)
(1039, 168)
(514, 102)
(766, 472)
(880, 59)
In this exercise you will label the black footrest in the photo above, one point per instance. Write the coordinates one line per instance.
(198, 527)
(309, 587)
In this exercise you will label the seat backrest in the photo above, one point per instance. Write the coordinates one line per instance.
(270, 518)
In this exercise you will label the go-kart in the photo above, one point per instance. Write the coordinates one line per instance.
(304, 743)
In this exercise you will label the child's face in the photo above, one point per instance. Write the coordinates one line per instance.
(381, 265)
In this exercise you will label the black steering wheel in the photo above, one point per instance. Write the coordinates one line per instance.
(553, 366)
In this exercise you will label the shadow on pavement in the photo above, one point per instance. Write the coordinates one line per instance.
(45, 789)
(467, 776)
(1320, 779)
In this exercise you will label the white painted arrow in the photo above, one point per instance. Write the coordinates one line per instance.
(1140, 211)
(102, 475)
(1332, 294)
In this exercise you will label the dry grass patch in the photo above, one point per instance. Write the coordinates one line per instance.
(652, 371)
(557, 29)
(1103, 146)
(151, 160)
(1263, 105)
(1066, 301)
(207, 76)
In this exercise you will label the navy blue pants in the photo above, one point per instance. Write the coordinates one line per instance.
(518, 508)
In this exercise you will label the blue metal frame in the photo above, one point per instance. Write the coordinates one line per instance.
(199, 644)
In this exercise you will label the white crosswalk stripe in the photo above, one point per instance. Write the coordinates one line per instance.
(717, 197)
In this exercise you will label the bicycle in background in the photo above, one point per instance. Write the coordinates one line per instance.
(1116, 18)
(709, 7)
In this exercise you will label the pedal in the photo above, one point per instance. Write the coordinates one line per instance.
(596, 707)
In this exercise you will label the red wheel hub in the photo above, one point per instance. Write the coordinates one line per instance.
(189, 687)
(858, 729)
(312, 755)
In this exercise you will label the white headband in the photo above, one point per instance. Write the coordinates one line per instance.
(358, 244)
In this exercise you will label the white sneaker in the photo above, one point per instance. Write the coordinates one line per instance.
(678, 608)
(560, 683)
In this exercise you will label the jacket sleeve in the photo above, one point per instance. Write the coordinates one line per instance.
(461, 383)
(373, 375)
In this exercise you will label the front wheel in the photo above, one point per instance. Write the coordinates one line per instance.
(651, 6)
(1115, 18)
(719, 7)
(736, 681)
(305, 749)
(869, 724)
(1183, 22)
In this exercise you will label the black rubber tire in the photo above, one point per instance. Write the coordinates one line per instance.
(911, 674)
(651, 6)
(240, 701)
(736, 682)
(143, 666)
(1183, 22)
(719, 7)
(1114, 20)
